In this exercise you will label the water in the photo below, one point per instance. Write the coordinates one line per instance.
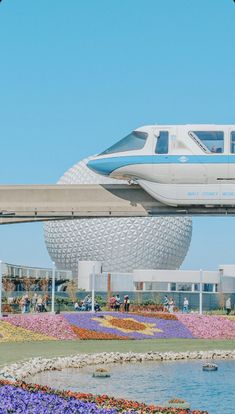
(155, 382)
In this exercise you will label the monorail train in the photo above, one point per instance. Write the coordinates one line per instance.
(176, 164)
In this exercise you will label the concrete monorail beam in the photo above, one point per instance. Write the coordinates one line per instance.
(29, 203)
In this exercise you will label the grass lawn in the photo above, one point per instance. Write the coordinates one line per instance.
(14, 352)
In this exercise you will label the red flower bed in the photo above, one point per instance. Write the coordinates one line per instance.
(128, 324)
(87, 334)
(147, 308)
(150, 308)
(157, 315)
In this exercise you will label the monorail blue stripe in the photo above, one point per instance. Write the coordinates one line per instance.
(108, 165)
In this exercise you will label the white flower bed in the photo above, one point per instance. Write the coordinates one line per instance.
(21, 370)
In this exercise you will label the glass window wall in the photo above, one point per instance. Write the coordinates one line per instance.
(162, 286)
(184, 287)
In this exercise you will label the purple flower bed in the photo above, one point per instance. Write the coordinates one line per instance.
(17, 400)
(169, 328)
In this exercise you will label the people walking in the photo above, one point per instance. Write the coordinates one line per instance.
(34, 302)
(22, 304)
(228, 306)
(165, 304)
(112, 302)
(39, 304)
(27, 304)
(171, 305)
(185, 305)
(126, 303)
(117, 302)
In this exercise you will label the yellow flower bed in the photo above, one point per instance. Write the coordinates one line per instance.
(10, 333)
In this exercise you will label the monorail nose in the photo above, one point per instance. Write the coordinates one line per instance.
(100, 166)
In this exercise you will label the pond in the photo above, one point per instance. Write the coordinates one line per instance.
(154, 382)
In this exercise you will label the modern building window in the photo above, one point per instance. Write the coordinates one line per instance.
(233, 142)
(173, 287)
(139, 285)
(161, 286)
(162, 143)
(208, 287)
(210, 141)
(134, 141)
(184, 287)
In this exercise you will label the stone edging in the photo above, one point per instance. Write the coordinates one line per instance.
(20, 371)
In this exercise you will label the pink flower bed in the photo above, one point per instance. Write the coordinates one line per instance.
(51, 325)
(208, 327)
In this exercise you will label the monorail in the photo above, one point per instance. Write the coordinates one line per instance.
(176, 164)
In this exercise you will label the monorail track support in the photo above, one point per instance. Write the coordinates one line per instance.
(30, 203)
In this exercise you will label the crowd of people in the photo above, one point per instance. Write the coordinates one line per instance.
(86, 305)
(169, 305)
(115, 303)
(37, 303)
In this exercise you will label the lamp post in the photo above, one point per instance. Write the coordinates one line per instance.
(93, 290)
(53, 289)
(0, 288)
(200, 292)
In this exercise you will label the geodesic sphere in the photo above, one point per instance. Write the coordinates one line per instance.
(121, 244)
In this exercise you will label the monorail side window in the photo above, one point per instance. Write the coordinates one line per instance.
(162, 143)
(134, 141)
(209, 141)
(233, 142)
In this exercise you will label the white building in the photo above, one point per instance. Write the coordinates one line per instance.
(221, 280)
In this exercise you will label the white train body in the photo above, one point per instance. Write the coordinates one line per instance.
(176, 164)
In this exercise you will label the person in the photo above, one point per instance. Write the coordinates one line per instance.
(171, 305)
(34, 302)
(228, 306)
(126, 303)
(112, 302)
(97, 307)
(185, 305)
(39, 303)
(22, 304)
(27, 304)
(165, 304)
(83, 306)
(117, 302)
(44, 304)
(87, 303)
(76, 306)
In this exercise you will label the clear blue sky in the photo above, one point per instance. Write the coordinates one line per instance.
(77, 75)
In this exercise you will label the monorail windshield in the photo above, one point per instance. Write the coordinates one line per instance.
(212, 141)
(134, 141)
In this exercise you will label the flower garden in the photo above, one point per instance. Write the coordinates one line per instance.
(17, 396)
(20, 397)
(111, 325)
